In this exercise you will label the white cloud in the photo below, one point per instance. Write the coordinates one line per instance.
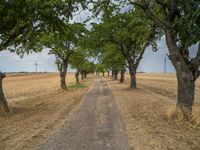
(11, 62)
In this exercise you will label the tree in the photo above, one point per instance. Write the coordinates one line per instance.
(78, 61)
(180, 22)
(23, 22)
(131, 34)
(3, 103)
(89, 67)
(100, 68)
(113, 61)
(63, 45)
(122, 72)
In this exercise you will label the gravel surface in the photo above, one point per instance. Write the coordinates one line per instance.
(95, 124)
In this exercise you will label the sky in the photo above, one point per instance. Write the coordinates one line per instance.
(151, 62)
(11, 62)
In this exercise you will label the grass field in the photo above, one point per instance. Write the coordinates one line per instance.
(147, 113)
(38, 106)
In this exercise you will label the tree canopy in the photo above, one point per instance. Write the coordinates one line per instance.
(23, 22)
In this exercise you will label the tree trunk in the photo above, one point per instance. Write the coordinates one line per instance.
(85, 75)
(115, 75)
(77, 77)
(185, 78)
(63, 76)
(186, 90)
(103, 74)
(82, 75)
(63, 81)
(112, 74)
(108, 74)
(122, 77)
(4, 109)
(132, 72)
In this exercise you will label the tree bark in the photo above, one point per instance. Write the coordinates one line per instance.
(108, 74)
(85, 75)
(103, 74)
(82, 75)
(115, 75)
(112, 74)
(186, 90)
(77, 77)
(63, 73)
(132, 72)
(122, 77)
(186, 74)
(4, 109)
(185, 78)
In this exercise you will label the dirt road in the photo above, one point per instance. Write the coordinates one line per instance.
(38, 107)
(95, 124)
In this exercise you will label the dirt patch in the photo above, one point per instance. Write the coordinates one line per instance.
(38, 110)
(147, 111)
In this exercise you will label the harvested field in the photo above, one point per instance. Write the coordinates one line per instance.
(39, 107)
(147, 114)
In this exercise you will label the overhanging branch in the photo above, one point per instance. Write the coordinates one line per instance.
(149, 13)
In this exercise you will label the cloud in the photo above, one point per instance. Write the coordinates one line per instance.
(155, 61)
(11, 62)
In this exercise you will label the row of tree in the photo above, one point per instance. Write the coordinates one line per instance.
(118, 40)
(131, 30)
(31, 26)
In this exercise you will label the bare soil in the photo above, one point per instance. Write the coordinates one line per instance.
(38, 108)
(147, 113)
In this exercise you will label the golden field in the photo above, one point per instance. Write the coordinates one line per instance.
(38, 107)
(147, 113)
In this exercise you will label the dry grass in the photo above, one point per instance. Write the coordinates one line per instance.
(147, 114)
(19, 87)
(39, 108)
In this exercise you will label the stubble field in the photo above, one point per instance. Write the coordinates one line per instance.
(147, 114)
(38, 107)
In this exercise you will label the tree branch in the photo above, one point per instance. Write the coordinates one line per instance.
(148, 12)
(137, 4)
(5, 44)
(151, 36)
(125, 54)
(140, 58)
(161, 2)
(173, 11)
(12, 37)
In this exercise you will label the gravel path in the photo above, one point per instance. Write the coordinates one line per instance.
(96, 124)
